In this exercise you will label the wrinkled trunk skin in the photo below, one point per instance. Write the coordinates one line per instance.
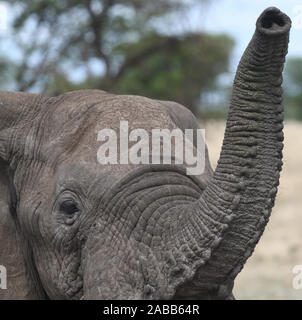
(251, 156)
(184, 240)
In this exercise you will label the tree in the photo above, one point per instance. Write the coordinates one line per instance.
(115, 45)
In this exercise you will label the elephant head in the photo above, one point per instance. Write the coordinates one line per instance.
(72, 228)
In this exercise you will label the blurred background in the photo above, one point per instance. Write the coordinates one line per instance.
(181, 50)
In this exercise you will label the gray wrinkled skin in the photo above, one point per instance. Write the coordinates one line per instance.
(71, 228)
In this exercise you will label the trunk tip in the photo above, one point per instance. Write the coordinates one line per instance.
(273, 22)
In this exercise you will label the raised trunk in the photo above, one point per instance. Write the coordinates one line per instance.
(251, 157)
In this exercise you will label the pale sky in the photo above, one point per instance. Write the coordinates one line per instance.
(238, 18)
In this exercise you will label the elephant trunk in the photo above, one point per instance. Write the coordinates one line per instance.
(245, 182)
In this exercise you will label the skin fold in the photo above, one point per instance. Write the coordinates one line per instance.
(71, 228)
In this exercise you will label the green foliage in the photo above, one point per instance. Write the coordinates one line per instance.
(293, 88)
(180, 70)
(115, 45)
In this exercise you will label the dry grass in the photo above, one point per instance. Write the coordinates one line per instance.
(268, 273)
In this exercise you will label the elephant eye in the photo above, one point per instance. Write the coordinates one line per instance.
(69, 207)
(69, 211)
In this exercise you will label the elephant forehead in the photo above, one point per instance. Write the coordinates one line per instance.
(71, 122)
(74, 138)
(119, 116)
(139, 112)
(105, 110)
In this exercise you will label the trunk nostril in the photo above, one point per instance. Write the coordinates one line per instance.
(271, 18)
(273, 22)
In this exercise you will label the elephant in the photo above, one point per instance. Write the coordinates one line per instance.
(72, 228)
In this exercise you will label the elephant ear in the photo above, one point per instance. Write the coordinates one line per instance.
(13, 108)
